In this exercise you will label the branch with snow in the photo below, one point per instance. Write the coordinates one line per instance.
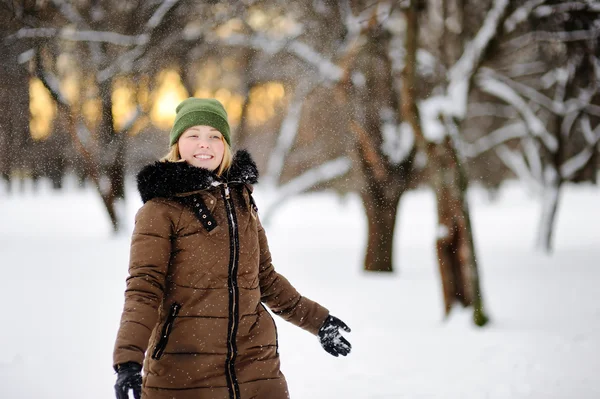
(325, 67)
(489, 141)
(80, 36)
(521, 14)
(125, 62)
(569, 6)
(398, 139)
(132, 119)
(159, 14)
(580, 160)
(52, 84)
(453, 101)
(524, 90)
(309, 179)
(483, 109)
(287, 134)
(315, 176)
(70, 12)
(461, 73)
(506, 93)
(516, 163)
(547, 36)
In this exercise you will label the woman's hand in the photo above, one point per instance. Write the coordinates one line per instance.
(129, 376)
(331, 339)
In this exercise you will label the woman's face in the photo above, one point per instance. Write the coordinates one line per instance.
(202, 146)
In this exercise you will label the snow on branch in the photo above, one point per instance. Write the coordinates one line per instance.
(571, 36)
(533, 156)
(70, 12)
(576, 163)
(398, 139)
(461, 73)
(480, 109)
(521, 14)
(132, 119)
(504, 92)
(159, 14)
(494, 139)
(326, 68)
(52, 84)
(287, 134)
(579, 161)
(317, 175)
(123, 63)
(80, 36)
(591, 137)
(526, 91)
(516, 163)
(309, 179)
(351, 22)
(548, 10)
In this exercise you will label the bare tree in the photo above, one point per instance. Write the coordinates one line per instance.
(104, 55)
(557, 105)
(435, 121)
(347, 53)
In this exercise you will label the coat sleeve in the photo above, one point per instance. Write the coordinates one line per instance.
(148, 263)
(282, 298)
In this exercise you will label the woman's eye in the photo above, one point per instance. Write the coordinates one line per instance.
(215, 137)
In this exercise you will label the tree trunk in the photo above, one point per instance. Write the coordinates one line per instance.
(381, 219)
(455, 246)
(548, 217)
(112, 145)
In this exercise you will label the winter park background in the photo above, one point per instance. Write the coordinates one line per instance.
(64, 280)
(429, 173)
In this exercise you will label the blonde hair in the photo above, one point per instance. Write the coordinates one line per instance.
(174, 156)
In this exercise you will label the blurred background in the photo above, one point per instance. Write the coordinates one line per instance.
(367, 101)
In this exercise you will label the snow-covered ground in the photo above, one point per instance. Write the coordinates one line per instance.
(63, 279)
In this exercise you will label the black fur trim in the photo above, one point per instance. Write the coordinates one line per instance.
(167, 179)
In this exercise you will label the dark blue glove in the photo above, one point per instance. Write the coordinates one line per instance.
(129, 376)
(331, 339)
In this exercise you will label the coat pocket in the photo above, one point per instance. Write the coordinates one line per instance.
(274, 326)
(165, 332)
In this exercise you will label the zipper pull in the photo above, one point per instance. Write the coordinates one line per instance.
(226, 191)
(175, 310)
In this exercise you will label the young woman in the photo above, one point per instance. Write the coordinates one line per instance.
(200, 270)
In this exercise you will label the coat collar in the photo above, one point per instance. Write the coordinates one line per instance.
(169, 179)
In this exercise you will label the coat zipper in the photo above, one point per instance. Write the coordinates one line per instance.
(232, 384)
(166, 331)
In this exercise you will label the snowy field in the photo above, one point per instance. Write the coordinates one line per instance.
(63, 282)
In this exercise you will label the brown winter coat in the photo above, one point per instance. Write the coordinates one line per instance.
(200, 271)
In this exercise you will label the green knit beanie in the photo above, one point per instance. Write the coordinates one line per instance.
(199, 111)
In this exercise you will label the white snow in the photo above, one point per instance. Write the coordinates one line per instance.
(64, 276)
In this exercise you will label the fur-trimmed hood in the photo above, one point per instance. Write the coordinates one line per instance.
(168, 179)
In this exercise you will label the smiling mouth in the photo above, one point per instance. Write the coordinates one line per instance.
(203, 157)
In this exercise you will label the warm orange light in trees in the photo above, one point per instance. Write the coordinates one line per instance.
(123, 102)
(42, 110)
(169, 94)
(263, 102)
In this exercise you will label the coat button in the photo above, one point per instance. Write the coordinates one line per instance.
(210, 223)
(203, 216)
